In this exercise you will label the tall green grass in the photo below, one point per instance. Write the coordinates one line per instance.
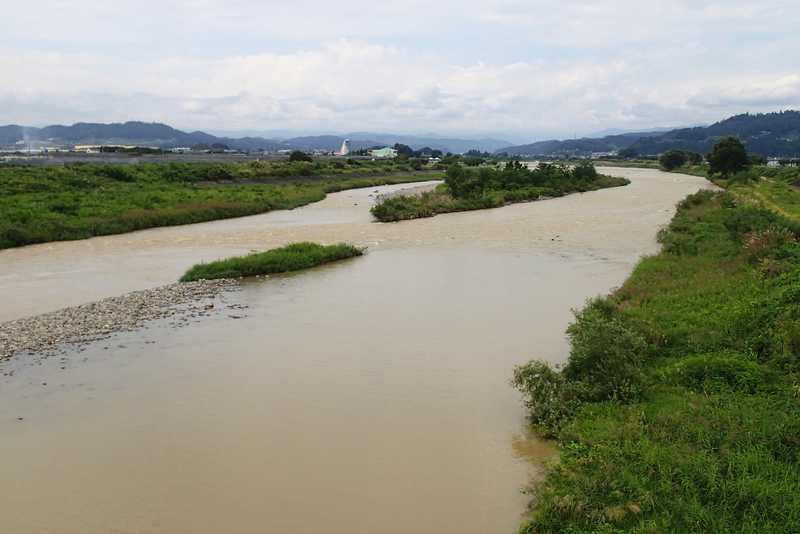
(679, 407)
(294, 257)
(41, 204)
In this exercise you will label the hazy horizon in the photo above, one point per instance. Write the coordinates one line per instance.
(517, 70)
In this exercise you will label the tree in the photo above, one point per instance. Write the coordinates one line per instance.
(757, 159)
(673, 159)
(585, 171)
(462, 183)
(628, 153)
(694, 158)
(299, 155)
(728, 157)
(403, 151)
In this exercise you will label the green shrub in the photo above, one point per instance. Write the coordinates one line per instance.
(721, 372)
(605, 354)
(550, 399)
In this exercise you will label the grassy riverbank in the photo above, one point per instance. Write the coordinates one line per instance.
(679, 408)
(468, 189)
(41, 204)
(294, 257)
(775, 188)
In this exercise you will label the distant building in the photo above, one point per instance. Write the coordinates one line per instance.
(387, 152)
(87, 149)
(91, 149)
(783, 162)
(345, 150)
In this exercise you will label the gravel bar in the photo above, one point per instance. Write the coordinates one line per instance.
(99, 320)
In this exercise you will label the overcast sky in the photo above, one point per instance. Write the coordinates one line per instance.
(522, 69)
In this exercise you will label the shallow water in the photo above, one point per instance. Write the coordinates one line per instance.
(365, 396)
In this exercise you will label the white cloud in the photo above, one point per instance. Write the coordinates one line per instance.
(529, 68)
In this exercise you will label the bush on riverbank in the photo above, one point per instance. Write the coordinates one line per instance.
(678, 410)
(42, 204)
(470, 189)
(294, 257)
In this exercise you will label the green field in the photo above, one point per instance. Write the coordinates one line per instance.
(41, 204)
(679, 408)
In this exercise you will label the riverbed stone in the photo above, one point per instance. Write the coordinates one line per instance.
(84, 324)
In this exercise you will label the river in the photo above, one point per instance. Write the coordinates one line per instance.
(366, 396)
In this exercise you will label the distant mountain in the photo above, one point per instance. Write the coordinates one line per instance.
(578, 147)
(360, 140)
(329, 142)
(163, 136)
(445, 144)
(10, 134)
(621, 131)
(128, 133)
(768, 134)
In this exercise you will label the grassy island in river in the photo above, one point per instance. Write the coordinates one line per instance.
(490, 187)
(39, 204)
(679, 407)
(294, 257)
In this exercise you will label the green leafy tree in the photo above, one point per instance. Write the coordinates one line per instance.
(299, 155)
(463, 183)
(585, 171)
(628, 153)
(694, 158)
(728, 157)
(403, 151)
(673, 159)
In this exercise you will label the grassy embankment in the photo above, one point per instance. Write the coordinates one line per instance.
(679, 408)
(775, 188)
(294, 257)
(42, 204)
(474, 189)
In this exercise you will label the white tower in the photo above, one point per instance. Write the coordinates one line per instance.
(345, 150)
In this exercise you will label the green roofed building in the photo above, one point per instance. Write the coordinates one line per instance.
(386, 152)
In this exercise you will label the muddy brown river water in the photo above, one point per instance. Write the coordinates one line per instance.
(365, 396)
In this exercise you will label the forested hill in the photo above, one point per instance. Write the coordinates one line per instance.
(164, 136)
(133, 133)
(768, 134)
(576, 147)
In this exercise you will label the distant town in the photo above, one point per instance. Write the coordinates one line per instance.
(773, 136)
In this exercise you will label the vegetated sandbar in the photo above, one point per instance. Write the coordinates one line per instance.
(294, 257)
(42, 204)
(468, 189)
